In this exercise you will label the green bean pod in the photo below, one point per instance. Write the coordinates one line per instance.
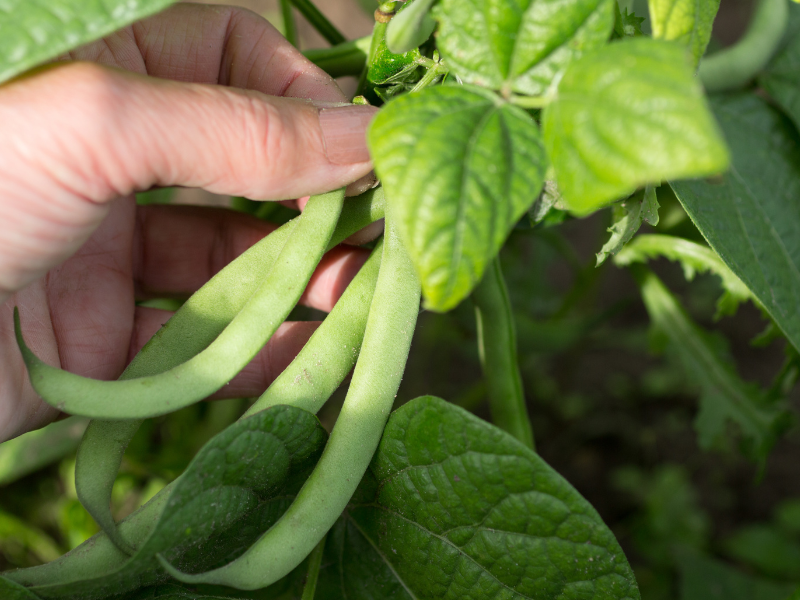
(497, 347)
(736, 66)
(341, 60)
(323, 497)
(211, 369)
(191, 329)
(411, 26)
(329, 355)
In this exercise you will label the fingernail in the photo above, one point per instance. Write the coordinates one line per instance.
(345, 132)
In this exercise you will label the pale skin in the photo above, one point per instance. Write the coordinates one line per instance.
(198, 96)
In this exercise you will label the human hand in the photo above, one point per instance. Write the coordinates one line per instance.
(141, 111)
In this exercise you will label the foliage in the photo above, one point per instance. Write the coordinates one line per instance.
(501, 122)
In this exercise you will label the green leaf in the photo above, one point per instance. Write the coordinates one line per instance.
(751, 216)
(236, 487)
(625, 116)
(627, 24)
(456, 508)
(519, 46)
(34, 32)
(628, 218)
(724, 397)
(687, 22)
(703, 578)
(693, 258)
(37, 449)
(13, 591)
(781, 79)
(460, 167)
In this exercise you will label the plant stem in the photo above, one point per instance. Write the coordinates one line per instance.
(289, 24)
(497, 346)
(319, 21)
(431, 75)
(315, 560)
(531, 101)
(343, 59)
(735, 67)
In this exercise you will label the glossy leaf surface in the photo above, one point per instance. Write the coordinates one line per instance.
(687, 22)
(456, 508)
(751, 217)
(519, 46)
(235, 488)
(34, 32)
(460, 167)
(627, 115)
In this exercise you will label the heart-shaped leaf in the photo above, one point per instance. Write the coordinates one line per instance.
(627, 115)
(455, 508)
(460, 167)
(519, 45)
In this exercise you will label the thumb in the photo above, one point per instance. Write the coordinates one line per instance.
(76, 136)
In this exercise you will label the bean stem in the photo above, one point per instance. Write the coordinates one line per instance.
(736, 66)
(314, 563)
(289, 23)
(319, 22)
(344, 59)
(323, 497)
(497, 347)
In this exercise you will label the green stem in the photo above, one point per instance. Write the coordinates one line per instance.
(431, 75)
(289, 23)
(531, 101)
(735, 67)
(314, 563)
(319, 21)
(344, 59)
(497, 346)
(323, 497)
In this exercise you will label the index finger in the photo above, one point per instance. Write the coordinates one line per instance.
(209, 44)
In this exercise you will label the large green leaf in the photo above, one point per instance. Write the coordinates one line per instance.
(519, 45)
(688, 22)
(236, 487)
(456, 508)
(627, 115)
(724, 398)
(32, 32)
(751, 217)
(459, 167)
(782, 79)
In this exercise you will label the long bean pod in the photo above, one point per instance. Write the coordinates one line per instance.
(323, 497)
(734, 67)
(191, 329)
(211, 369)
(497, 346)
(329, 355)
(325, 359)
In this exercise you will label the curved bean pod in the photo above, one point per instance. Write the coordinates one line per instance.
(737, 65)
(323, 497)
(191, 329)
(211, 369)
(329, 355)
(497, 347)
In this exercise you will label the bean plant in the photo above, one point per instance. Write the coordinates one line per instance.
(496, 115)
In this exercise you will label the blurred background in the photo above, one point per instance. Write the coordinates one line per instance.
(608, 414)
